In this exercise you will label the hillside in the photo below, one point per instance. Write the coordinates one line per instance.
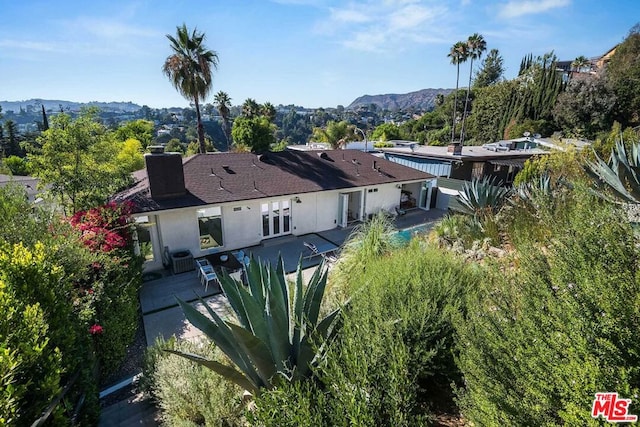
(54, 104)
(423, 99)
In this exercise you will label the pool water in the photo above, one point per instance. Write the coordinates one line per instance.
(404, 236)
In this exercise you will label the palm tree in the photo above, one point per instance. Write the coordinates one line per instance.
(335, 133)
(580, 62)
(475, 47)
(269, 111)
(458, 55)
(189, 68)
(223, 104)
(250, 108)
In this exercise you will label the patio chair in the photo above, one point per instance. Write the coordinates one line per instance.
(315, 252)
(203, 267)
(208, 278)
(239, 255)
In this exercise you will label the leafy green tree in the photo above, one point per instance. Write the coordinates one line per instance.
(130, 155)
(223, 104)
(175, 146)
(335, 134)
(623, 71)
(190, 69)
(586, 107)
(142, 130)
(77, 158)
(276, 337)
(17, 165)
(491, 70)
(458, 55)
(255, 134)
(486, 124)
(387, 132)
(476, 45)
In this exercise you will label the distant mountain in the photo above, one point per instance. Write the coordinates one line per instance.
(54, 104)
(423, 100)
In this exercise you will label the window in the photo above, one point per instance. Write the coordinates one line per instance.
(210, 225)
(497, 168)
(510, 174)
(144, 245)
(478, 170)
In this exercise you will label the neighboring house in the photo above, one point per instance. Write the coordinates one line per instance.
(226, 201)
(501, 160)
(29, 183)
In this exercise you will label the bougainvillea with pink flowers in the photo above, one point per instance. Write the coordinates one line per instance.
(105, 227)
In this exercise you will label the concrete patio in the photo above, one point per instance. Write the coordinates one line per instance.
(163, 317)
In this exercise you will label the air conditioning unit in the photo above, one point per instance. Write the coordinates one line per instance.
(181, 262)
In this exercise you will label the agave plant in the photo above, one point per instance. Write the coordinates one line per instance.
(621, 174)
(481, 197)
(277, 338)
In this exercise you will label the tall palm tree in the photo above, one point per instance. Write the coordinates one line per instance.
(250, 108)
(190, 68)
(223, 104)
(458, 55)
(269, 111)
(475, 47)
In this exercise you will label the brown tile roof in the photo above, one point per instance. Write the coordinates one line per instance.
(226, 177)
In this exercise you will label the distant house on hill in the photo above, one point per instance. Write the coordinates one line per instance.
(226, 201)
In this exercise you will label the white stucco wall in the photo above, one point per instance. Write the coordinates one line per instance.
(178, 229)
(386, 198)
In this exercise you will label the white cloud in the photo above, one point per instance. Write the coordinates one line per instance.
(35, 46)
(111, 29)
(515, 8)
(386, 25)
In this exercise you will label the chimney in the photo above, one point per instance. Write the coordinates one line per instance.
(455, 149)
(165, 173)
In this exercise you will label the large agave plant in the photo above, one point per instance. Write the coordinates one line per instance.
(482, 196)
(621, 174)
(277, 338)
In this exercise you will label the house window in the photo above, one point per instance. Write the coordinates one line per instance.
(210, 225)
(497, 168)
(144, 245)
(478, 170)
(510, 174)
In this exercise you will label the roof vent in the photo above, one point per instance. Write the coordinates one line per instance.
(323, 155)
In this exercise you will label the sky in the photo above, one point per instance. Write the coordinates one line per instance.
(313, 53)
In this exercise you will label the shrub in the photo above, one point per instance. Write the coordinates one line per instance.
(392, 362)
(538, 341)
(189, 394)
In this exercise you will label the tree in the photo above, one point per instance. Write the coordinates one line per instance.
(78, 159)
(45, 120)
(142, 130)
(255, 134)
(623, 72)
(335, 133)
(250, 108)
(130, 157)
(586, 107)
(268, 111)
(475, 47)
(386, 132)
(17, 165)
(223, 104)
(458, 55)
(12, 139)
(190, 69)
(580, 63)
(490, 71)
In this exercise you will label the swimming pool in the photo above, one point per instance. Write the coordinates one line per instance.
(404, 236)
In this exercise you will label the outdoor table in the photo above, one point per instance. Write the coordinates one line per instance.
(230, 265)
